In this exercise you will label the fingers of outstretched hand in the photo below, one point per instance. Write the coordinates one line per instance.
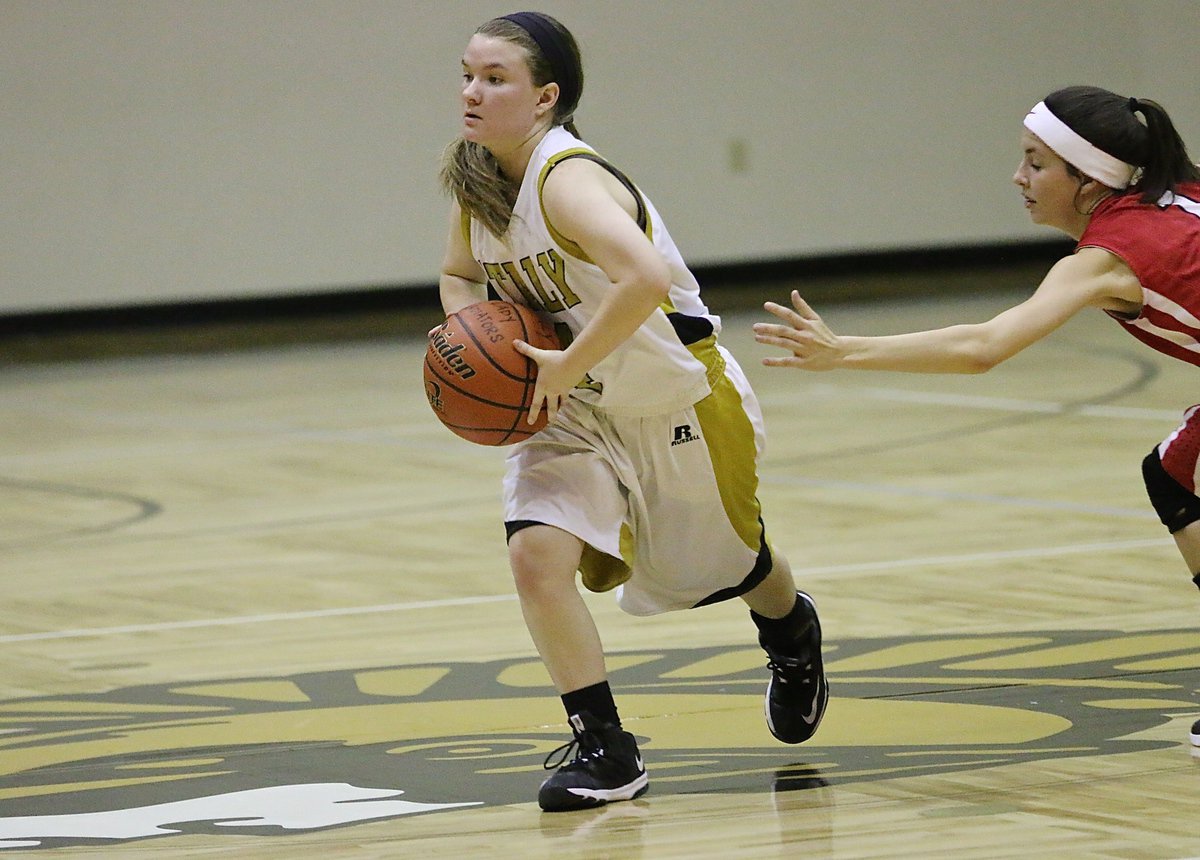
(794, 332)
(792, 317)
(772, 334)
(802, 307)
(786, 361)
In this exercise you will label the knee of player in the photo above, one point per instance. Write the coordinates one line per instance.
(525, 565)
(541, 561)
(1175, 505)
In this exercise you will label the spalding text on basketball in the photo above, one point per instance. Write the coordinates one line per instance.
(449, 353)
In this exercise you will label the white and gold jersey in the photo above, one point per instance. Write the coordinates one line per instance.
(664, 366)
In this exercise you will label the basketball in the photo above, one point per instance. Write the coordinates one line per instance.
(476, 382)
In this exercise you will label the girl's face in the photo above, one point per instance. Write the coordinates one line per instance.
(501, 106)
(1053, 196)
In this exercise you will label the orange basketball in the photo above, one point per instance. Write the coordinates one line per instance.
(476, 381)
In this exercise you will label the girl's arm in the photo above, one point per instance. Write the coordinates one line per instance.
(462, 281)
(590, 207)
(1091, 277)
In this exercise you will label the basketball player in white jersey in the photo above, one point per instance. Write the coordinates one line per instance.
(645, 481)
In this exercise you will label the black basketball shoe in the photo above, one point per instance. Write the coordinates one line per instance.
(1195, 736)
(607, 766)
(797, 693)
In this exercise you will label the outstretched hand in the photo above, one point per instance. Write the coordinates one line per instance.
(553, 380)
(813, 346)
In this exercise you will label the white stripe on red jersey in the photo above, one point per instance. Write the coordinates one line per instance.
(1160, 242)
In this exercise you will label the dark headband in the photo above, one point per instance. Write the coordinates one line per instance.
(557, 53)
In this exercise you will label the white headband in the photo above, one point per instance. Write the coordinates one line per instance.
(1074, 150)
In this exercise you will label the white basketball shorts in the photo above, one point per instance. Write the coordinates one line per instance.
(666, 504)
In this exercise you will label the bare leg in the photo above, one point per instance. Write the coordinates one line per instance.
(775, 596)
(607, 765)
(544, 560)
(1188, 541)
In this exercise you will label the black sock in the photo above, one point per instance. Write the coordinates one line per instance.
(781, 634)
(597, 700)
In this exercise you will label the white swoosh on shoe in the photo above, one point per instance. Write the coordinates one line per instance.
(811, 716)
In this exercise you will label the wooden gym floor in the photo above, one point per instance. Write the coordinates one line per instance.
(257, 604)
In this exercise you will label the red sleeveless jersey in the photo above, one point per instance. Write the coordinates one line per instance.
(1160, 242)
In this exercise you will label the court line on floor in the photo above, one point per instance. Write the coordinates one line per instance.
(957, 496)
(968, 558)
(834, 570)
(1008, 404)
(254, 619)
(975, 401)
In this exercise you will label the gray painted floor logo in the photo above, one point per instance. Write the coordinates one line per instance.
(274, 755)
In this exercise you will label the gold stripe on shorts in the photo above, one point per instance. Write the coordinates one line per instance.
(729, 435)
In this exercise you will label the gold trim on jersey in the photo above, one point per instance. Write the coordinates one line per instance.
(643, 219)
(464, 218)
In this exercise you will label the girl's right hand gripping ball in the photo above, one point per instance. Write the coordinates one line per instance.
(476, 381)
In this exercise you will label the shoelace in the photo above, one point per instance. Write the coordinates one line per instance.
(587, 747)
(788, 669)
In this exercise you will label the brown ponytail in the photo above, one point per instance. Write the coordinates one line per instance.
(1167, 162)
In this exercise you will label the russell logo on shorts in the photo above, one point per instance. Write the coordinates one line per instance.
(683, 434)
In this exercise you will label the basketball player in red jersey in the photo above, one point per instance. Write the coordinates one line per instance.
(1113, 174)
